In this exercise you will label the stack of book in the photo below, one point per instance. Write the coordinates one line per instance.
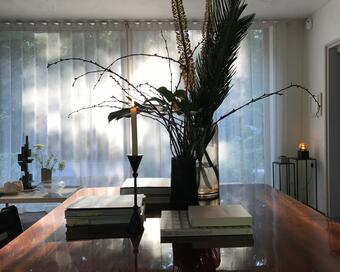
(205, 221)
(156, 191)
(101, 216)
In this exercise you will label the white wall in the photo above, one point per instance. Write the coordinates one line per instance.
(295, 103)
(288, 48)
(326, 28)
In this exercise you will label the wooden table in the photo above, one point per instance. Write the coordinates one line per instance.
(288, 236)
(41, 194)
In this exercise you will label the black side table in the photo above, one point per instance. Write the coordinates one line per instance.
(312, 162)
(287, 166)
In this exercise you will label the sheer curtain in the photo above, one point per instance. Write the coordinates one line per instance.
(243, 144)
(36, 101)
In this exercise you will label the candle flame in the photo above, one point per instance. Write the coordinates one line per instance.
(303, 147)
(133, 108)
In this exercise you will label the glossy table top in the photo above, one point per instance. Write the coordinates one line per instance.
(288, 236)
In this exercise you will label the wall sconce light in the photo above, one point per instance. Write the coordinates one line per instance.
(303, 153)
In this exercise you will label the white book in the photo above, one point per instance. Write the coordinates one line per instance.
(176, 224)
(222, 215)
(146, 186)
(103, 205)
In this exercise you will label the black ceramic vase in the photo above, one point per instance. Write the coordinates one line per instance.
(183, 183)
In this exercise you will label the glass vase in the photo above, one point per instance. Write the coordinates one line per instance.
(46, 175)
(208, 171)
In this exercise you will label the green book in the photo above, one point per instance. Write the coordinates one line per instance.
(219, 216)
(103, 206)
(176, 224)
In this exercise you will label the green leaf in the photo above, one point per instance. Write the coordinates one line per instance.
(184, 107)
(116, 115)
(180, 94)
(167, 94)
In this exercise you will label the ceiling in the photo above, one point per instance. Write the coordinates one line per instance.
(143, 9)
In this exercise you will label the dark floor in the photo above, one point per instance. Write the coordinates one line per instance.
(29, 218)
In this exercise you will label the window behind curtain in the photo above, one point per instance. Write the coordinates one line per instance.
(35, 101)
(242, 135)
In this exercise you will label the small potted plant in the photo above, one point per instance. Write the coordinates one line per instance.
(48, 164)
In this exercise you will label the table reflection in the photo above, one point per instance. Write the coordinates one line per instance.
(288, 236)
(187, 258)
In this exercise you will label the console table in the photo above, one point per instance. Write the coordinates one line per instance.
(287, 165)
(41, 194)
(288, 236)
(313, 164)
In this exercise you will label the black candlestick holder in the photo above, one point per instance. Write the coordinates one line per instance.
(135, 240)
(136, 222)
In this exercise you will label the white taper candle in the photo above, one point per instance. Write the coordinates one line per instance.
(134, 140)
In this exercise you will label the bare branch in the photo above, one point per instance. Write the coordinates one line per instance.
(265, 95)
(130, 56)
(83, 75)
(168, 54)
(99, 105)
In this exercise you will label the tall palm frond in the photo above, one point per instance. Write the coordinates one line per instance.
(183, 44)
(215, 65)
(207, 33)
(223, 31)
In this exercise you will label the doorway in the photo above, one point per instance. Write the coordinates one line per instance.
(333, 129)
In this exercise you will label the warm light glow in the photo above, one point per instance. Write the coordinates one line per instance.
(133, 110)
(303, 147)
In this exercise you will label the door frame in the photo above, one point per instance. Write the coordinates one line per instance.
(328, 47)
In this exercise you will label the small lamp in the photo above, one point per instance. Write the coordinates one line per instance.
(303, 153)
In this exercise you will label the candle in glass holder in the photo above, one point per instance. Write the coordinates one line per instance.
(303, 147)
(303, 153)
(134, 140)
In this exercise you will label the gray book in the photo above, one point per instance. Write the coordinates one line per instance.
(97, 220)
(176, 224)
(147, 186)
(221, 215)
(74, 221)
(103, 205)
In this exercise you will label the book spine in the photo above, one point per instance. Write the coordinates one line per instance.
(148, 192)
(96, 229)
(103, 212)
(206, 232)
(83, 222)
(229, 222)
